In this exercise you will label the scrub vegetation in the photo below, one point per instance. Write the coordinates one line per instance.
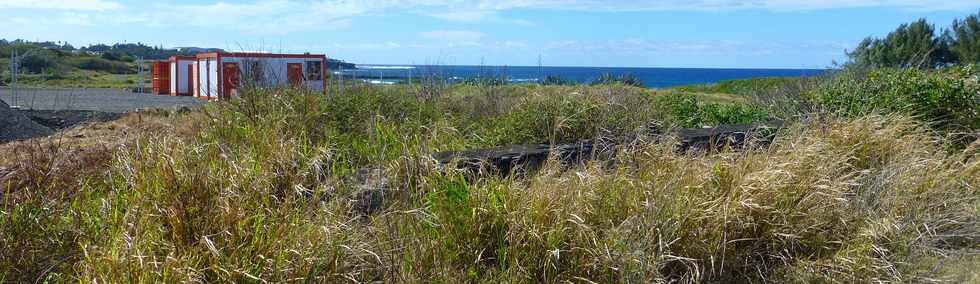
(874, 178)
(286, 185)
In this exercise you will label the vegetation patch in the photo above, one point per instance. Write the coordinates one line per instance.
(286, 184)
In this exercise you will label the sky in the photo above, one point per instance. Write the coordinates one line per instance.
(624, 33)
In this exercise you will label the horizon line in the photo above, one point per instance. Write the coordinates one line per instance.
(581, 66)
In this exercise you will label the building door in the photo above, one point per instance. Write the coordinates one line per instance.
(190, 80)
(232, 79)
(161, 78)
(294, 73)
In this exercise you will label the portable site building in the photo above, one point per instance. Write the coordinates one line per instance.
(182, 75)
(161, 77)
(219, 75)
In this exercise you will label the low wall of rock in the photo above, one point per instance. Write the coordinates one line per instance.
(508, 159)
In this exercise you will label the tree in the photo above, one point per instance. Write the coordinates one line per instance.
(110, 56)
(964, 37)
(37, 62)
(910, 45)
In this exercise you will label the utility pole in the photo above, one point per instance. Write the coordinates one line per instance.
(540, 73)
(15, 58)
(13, 77)
(141, 80)
(480, 76)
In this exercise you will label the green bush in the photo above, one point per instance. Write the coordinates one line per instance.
(37, 62)
(949, 99)
(627, 79)
(101, 64)
(554, 80)
(688, 110)
(544, 120)
(110, 56)
(746, 87)
(568, 118)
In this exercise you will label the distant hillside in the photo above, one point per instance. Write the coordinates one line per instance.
(335, 64)
(140, 50)
(196, 50)
(61, 64)
(125, 51)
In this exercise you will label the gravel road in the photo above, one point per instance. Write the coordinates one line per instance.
(104, 100)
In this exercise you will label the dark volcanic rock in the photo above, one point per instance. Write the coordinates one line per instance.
(726, 135)
(16, 126)
(506, 159)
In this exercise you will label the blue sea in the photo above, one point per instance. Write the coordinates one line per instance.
(651, 77)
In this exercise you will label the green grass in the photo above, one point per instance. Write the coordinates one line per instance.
(747, 87)
(286, 185)
(76, 71)
(78, 78)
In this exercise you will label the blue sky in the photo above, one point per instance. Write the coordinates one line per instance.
(628, 33)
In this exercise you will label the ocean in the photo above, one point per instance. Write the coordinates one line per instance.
(651, 77)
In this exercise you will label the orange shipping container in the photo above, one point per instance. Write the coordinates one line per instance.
(161, 78)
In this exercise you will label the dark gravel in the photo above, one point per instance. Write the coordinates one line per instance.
(103, 100)
(63, 119)
(16, 126)
(41, 112)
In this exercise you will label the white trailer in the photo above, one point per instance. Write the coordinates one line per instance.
(219, 75)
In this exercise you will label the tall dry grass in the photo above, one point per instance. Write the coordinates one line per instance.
(277, 188)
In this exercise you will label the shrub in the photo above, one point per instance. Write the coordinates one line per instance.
(554, 80)
(110, 56)
(747, 87)
(563, 118)
(626, 79)
(38, 62)
(630, 80)
(100, 64)
(687, 110)
(948, 99)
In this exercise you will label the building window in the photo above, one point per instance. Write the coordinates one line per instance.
(253, 74)
(314, 70)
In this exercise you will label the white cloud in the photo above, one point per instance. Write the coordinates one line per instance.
(76, 19)
(465, 16)
(718, 5)
(714, 47)
(284, 16)
(80, 5)
(272, 17)
(453, 36)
